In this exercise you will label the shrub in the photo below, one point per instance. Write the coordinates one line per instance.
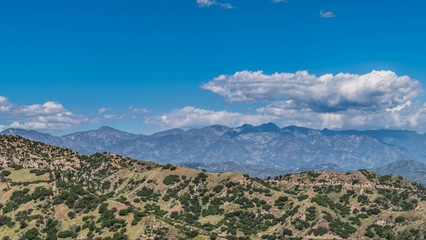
(369, 234)
(287, 232)
(201, 177)
(67, 234)
(373, 211)
(281, 201)
(303, 197)
(32, 234)
(310, 215)
(174, 214)
(399, 219)
(343, 229)
(106, 185)
(5, 173)
(17, 167)
(41, 193)
(171, 179)
(71, 215)
(218, 188)
(319, 231)
(38, 172)
(363, 199)
(124, 212)
(4, 220)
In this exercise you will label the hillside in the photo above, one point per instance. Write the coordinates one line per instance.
(51, 192)
(258, 171)
(266, 146)
(412, 170)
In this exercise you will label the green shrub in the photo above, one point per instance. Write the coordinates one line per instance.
(218, 188)
(310, 215)
(280, 202)
(399, 219)
(5, 220)
(32, 234)
(319, 231)
(303, 197)
(171, 179)
(343, 229)
(363, 199)
(67, 234)
(5, 173)
(125, 212)
(106, 185)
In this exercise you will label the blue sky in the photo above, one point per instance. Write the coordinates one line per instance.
(143, 66)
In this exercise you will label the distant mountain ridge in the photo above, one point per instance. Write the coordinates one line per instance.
(409, 169)
(266, 146)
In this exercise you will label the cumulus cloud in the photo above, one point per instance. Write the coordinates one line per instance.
(327, 14)
(190, 117)
(209, 3)
(50, 116)
(379, 99)
(407, 116)
(326, 93)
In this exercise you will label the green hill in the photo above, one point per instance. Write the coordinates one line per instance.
(49, 192)
(412, 170)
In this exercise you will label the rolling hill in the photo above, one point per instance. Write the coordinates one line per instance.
(412, 170)
(50, 192)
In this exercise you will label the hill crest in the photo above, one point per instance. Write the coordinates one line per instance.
(112, 197)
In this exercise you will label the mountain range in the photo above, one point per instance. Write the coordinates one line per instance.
(265, 147)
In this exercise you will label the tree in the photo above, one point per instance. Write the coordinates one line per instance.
(5, 173)
(32, 234)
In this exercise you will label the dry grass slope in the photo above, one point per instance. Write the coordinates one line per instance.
(49, 192)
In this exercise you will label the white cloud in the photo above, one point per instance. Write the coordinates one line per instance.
(326, 93)
(50, 116)
(209, 3)
(138, 110)
(190, 117)
(117, 117)
(379, 99)
(277, 1)
(114, 114)
(327, 14)
(407, 116)
(104, 110)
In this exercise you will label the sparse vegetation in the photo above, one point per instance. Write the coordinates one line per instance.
(55, 193)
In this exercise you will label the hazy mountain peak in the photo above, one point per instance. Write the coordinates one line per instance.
(243, 127)
(107, 128)
(266, 127)
(218, 127)
(31, 134)
(168, 132)
(13, 131)
(269, 127)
